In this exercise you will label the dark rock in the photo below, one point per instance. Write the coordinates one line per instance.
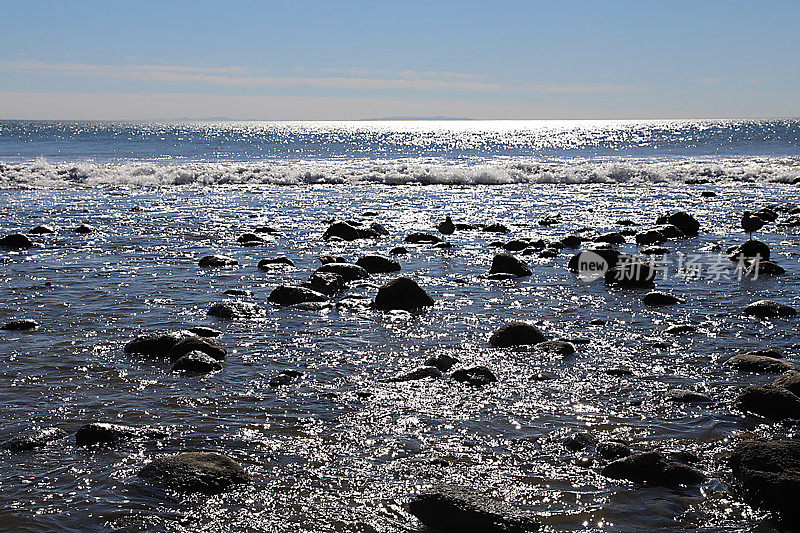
(766, 214)
(708, 194)
(685, 222)
(20, 324)
(32, 439)
(769, 309)
(16, 241)
(328, 283)
(204, 472)
(84, 228)
(768, 475)
(562, 348)
(660, 298)
(285, 377)
(422, 238)
(441, 361)
(40, 230)
(619, 371)
(237, 292)
(343, 231)
(749, 362)
(790, 381)
(548, 253)
(215, 261)
(416, 374)
(680, 329)
(267, 229)
(765, 268)
(348, 271)
(633, 273)
(612, 450)
(376, 264)
(376, 230)
(156, 344)
(579, 440)
(775, 403)
(603, 254)
(250, 239)
(477, 375)
(204, 331)
(549, 220)
(197, 362)
(751, 249)
(646, 238)
(516, 333)
(614, 237)
(508, 264)
(571, 241)
(516, 245)
(208, 346)
(687, 396)
(233, 309)
(653, 468)
(452, 509)
(326, 259)
(598, 322)
(654, 250)
(669, 231)
(402, 293)
(442, 245)
(294, 294)
(275, 262)
(107, 434)
(398, 250)
(496, 228)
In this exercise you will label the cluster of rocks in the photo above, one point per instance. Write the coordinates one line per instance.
(192, 351)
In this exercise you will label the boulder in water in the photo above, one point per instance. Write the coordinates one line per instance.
(687, 396)
(285, 377)
(749, 250)
(660, 298)
(516, 333)
(16, 241)
(294, 294)
(441, 361)
(275, 262)
(416, 374)
(348, 271)
(653, 468)
(750, 362)
(197, 362)
(203, 472)
(686, 223)
(235, 309)
(376, 264)
(476, 375)
(20, 324)
(769, 309)
(156, 344)
(422, 238)
(769, 401)
(217, 261)
(84, 228)
(404, 294)
(508, 264)
(41, 230)
(103, 433)
(32, 439)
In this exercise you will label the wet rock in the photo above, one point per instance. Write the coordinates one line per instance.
(216, 261)
(765, 268)
(766, 214)
(402, 293)
(579, 440)
(104, 433)
(341, 230)
(422, 238)
(20, 324)
(235, 309)
(16, 241)
(548, 253)
(775, 403)
(607, 255)
(457, 509)
(348, 271)
(275, 262)
(508, 264)
(708, 194)
(749, 362)
(203, 472)
(41, 230)
(769, 309)
(614, 237)
(571, 241)
(325, 259)
(619, 371)
(32, 439)
(516, 333)
(633, 273)
(441, 361)
(751, 249)
(496, 228)
(611, 450)
(328, 283)
(416, 374)
(294, 294)
(376, 264)
(550, 220)
(477, 376)
(446, 227)
(208, 346)
(84, 228)
(516, 245)
(687, 396)
(598, 322)
(203, 331)
(654, 250)
(557, 347)
(768, 475)
(285, 377)
(686, 223)
(650, 237)
(790, 381)
(376, 230)
(653, 468)
(237, 292)
(398, 250)
(267, 229)
(660, 298)
(250, 239)
(680, 329)
(197, 362)
(669, 231)
(443, 245)
(156, 344)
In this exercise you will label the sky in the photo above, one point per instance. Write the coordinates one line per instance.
(303, 60)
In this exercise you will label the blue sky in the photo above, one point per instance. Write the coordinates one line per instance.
(341, 60)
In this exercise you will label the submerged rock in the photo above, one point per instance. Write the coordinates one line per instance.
(614, 237)
(20, 324)
(234, 309)
(516, 333)
(216, 261)
(416, 374)
(769, 309)
(579, 440)
(197, 362)
(208, 346)
(496, 228)
(84, 228)
(107, 434)
(348, 271)
(156, 344)
(612, 450)
(422, 238)
(477, 375)
(790, 380)
(660, 298)
(204, 331)
(653, 468)
(343, 231)
(508, 264)
(398, 250)
(404, 294)
(32, 439)
(633, 273)
(768, 475)
(687, 396)
(775, 403)
(765, 268)
(686, 223)
(41, 230)
(650, 237)
(275, 262)
(204, 472)
(294, 294)
(749, 362)
(680, 329)
(285, 377)
(376, 264)
(454, 509)
(441, 361)
(16, 241)
(557, 347)
(326, 283)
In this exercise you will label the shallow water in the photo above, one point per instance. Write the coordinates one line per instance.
(323, 455)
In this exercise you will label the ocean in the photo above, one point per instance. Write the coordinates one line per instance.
(345, 446)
